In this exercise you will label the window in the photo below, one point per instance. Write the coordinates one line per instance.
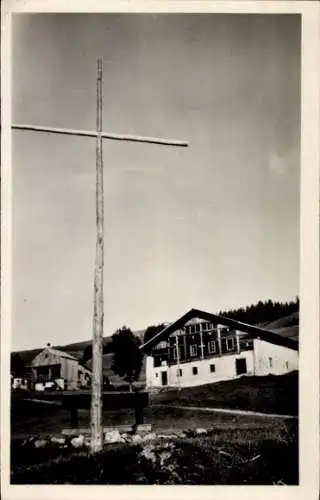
(212, 347)
(179, 372)
(287, 365)
(195, 370)
(230, 343)
(156, 374)
(212, 368)
(161, 345)
(204, 326)
(193, 350)
(157, 361)
(270, 362)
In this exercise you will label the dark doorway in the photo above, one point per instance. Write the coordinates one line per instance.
(164, 378)
(241, 366)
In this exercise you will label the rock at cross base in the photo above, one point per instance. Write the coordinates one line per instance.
(77, 442)
(58, 440)
(114, 436)
(200, 431)
(150, 436)
(40, 443)
(136, 438)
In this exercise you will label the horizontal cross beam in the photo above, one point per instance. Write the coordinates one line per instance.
(105, 135)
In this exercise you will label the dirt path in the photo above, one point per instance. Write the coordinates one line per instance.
(226, 411)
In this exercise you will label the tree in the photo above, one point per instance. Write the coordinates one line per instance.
(17, 365)
(87, 354)
(127, 357)
(152, 330)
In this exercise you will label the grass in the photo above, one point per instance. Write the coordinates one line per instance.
(47, 419)
(269, 394)
(237, 450)
(224, 457)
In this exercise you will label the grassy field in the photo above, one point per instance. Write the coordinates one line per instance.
(237, 449)
(50, 420)
(270, 394)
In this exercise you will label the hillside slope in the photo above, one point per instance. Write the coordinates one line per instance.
(268, 394)
(115, 379)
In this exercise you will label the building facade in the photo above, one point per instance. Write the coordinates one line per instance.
(58, 367)
(201, 348)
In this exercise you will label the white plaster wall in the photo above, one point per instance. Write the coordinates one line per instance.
(279, 355)
(149, 371)
(225, 369)
(153, 375)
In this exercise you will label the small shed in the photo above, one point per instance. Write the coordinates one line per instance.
(55, 366)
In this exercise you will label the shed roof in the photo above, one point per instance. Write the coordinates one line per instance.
(254, 331)
(61, 354)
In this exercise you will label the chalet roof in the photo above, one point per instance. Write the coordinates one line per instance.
(61, 354)
(254, 331)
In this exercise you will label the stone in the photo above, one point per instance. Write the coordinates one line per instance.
(87, 442)
(169, 436)
(114, 436)
(148, 453)
(164, 456)
(126, 438)
(151, 436)
(200, 431)
(58, 440)
(40, 443)
(77, 442)
(136, 438)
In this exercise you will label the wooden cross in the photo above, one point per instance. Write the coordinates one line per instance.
(97, 341)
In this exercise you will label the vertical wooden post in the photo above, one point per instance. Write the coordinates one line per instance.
(201, 342)
(178, 362)
(96, 403)
(138, 410)
(238, 341)
(74, 416)
(219, 339)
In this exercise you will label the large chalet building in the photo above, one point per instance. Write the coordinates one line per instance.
(201, 348)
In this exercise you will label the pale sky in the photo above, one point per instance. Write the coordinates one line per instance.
(213, 226)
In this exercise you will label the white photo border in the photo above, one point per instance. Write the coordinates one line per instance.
(309, 248)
